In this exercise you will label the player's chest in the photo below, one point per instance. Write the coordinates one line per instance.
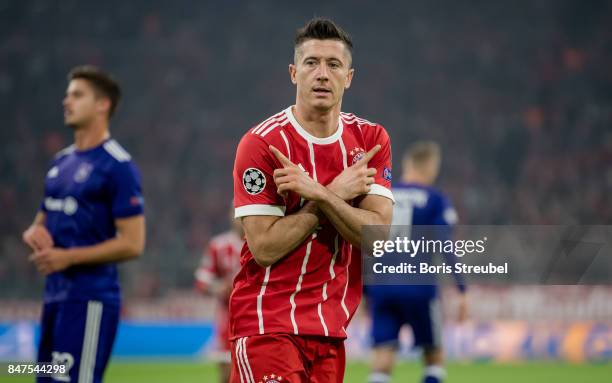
(325, 162)
(83, 179)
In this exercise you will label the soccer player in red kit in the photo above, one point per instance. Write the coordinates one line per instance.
(306, 181)
(220, 264)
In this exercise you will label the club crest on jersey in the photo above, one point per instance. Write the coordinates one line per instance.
(272, 378)
(83, 172)
(357, 154)
(254, 181)
(387, 174)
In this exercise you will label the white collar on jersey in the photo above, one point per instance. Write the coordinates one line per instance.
(309, 137)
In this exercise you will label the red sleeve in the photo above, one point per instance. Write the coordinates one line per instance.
(254, 188)
(208, 269)
(381, 161)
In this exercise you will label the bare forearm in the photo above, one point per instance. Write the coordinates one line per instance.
(112, 250)
(348, 220)
(284, 235)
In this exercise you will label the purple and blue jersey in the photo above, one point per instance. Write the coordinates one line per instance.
(85, 191)
(417, 211)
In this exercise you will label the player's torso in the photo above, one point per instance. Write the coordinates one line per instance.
(79, 213)
(323, 159)
(306, 291)
(413, 214)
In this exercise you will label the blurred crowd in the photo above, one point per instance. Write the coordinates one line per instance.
(518, 94)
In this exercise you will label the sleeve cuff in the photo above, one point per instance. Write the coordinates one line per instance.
(204, 276)
(247, 210)
(127, 212)
(380, 190)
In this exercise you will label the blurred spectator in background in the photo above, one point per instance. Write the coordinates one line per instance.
(215, 275)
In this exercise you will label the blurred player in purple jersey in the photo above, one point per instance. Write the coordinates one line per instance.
(418, 203)
(91, 218)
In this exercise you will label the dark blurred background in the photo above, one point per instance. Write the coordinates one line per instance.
(519, 94)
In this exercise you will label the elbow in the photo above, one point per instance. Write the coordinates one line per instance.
(262, 256)
(263, 259)
(134, 251)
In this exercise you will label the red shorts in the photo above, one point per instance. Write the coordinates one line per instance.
(285, 358)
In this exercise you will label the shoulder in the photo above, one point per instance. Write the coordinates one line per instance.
(117, 161)
(445, 207)
(269, 129)
(64, 152)
(116, 152)
(419, 195)
(439, 196)
(352, 119)
(436, 197)
(267, 132)
(367, 128)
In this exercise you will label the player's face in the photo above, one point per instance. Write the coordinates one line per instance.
(81, 105)
(321, 73)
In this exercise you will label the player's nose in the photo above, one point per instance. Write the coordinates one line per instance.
(322, 72)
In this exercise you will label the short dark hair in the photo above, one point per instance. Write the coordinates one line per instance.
(103, 83)
(322, 29)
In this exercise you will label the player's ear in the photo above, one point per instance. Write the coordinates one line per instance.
(292, 70)
(349, 78)
(103, 104)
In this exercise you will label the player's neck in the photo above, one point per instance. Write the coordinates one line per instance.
(418, 179)
(91, 135)
(317, 123)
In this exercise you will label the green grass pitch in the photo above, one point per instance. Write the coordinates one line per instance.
(202, 372)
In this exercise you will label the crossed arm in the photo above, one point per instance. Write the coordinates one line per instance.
(271, 238)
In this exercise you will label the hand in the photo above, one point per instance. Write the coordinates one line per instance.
(292, 178)
(37, 237)
(356, 179)
(51, 260)
(225, 288)
(462, 308)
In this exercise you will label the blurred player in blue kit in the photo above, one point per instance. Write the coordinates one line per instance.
(90, 219)
(417, 203)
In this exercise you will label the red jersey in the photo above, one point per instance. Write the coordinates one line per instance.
(220, 260)
(314, 290)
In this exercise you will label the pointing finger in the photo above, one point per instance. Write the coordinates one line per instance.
(368, 156)
(280, 156)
